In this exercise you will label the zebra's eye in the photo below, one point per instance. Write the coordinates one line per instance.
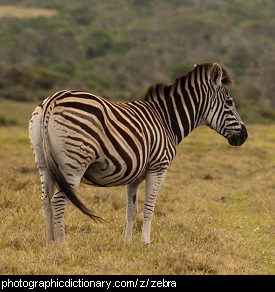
(229, 102)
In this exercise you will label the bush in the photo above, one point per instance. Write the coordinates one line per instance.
(7, 122)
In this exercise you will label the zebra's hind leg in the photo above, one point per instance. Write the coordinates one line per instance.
(47, 193)
(59, 205)
(47, 183)
(132, 203)
(59, 201)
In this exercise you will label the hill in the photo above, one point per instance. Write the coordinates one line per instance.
(117, 49)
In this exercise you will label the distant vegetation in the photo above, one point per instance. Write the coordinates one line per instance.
(25, 12)
(118, 48)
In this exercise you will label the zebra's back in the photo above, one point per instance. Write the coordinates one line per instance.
(116, 142)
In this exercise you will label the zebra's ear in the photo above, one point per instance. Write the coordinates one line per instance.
(216, 74)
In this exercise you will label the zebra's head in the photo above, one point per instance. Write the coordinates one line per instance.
(221, 114)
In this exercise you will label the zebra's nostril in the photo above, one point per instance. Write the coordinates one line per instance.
(244, 131)
(238, 138)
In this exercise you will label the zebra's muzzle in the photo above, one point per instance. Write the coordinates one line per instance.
(239, 138)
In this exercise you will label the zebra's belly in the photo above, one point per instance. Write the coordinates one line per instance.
(107, 173)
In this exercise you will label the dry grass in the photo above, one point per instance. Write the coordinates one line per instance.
(25, 12)
(214, 214)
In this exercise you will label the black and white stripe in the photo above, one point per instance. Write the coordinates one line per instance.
(86, 138)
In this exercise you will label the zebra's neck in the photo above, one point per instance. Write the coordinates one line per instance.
(180, 105)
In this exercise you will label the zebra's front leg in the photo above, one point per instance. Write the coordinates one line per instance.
(59, 204)
(153, 184)
(132, 203)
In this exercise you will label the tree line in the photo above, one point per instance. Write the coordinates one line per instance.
(118, 48)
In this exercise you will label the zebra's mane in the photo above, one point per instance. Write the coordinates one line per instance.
(227, 79)
(161, 87)
(154, 89)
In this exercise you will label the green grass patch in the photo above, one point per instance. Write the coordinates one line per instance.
(15, 113)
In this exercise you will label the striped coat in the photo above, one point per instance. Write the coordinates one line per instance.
(80, 137)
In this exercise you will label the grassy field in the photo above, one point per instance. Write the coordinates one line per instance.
(25, 12)
(214, 213)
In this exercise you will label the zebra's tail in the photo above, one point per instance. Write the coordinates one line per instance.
(60, 180)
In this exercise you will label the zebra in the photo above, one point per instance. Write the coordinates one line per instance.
(80, 137)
